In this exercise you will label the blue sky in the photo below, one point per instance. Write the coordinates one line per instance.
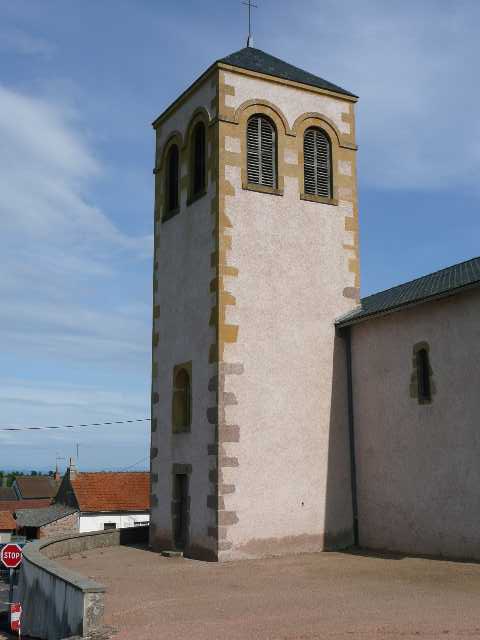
(80, 83)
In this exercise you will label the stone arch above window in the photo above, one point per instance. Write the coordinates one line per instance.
(249, 107)
(320, 120)
(182, 398)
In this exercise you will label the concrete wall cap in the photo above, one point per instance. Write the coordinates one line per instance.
(32, 553)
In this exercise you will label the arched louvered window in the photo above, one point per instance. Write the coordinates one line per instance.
(171, 180)
(317, 154)
(198, 159)
(261, 151)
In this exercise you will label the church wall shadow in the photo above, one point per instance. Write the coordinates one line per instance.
(339, 519)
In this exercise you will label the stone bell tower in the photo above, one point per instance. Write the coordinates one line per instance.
(256, 254)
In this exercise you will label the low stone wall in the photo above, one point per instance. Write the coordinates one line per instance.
(58, 603)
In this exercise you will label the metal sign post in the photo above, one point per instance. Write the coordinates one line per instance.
(11, 557)
(12, 579)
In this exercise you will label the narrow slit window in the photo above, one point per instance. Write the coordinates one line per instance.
(182, 401)
(198, 159)
(171, 186)
(423, 376)
(317, 154)
(261, 152)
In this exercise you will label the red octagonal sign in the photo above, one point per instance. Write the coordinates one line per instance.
(11, 556)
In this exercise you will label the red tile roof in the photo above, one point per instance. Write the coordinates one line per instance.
(112, 491)
(7, 522)
(13, 505)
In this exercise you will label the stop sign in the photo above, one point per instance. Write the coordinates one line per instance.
(11, 555)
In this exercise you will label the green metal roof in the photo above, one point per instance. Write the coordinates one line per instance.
(257, 60)
(435, 285)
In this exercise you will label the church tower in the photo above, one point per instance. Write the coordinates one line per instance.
(256, 255)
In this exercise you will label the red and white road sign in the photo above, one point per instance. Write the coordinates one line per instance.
(11, 555)
(15, 615)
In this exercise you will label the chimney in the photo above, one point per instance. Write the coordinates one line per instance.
(72, 469)
(56, 475)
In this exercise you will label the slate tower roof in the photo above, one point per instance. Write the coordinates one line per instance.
(261, 62)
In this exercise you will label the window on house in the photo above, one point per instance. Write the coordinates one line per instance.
(423, 376)
(261, 151)
(198, 159)
(317, 154)
(109, 525)
(172, 181)
(182, 400)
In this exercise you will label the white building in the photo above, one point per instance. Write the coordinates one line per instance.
(106, 500)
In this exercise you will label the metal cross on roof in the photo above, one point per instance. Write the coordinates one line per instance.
(250, 6)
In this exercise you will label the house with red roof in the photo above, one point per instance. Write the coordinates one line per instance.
(8, 526)
(13, 506)
(106, 500)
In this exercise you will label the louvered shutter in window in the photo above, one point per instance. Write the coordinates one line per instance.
(172, 179)
(198, 158)
(261, 160)
(317, 163)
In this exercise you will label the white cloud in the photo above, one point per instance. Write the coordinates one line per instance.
(67, 398)
(70, 330)
(61, 255)
(21, 42)
(414, 67)
(45, 167)
(53, 404)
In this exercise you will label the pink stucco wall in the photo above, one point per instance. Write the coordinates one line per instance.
(183, 255)
(418, 465)
(292, 480)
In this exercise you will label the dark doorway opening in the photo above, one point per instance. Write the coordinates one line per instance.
(31, 533)
(180, 511)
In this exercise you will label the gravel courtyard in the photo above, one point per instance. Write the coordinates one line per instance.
(304, 597)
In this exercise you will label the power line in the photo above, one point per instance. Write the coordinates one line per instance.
(75, 426)
(135, 464)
